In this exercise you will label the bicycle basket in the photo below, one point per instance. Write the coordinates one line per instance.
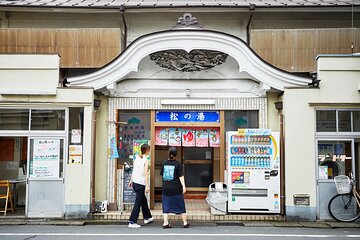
(343, 184)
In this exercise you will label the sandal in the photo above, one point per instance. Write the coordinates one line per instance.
(167, 226)
(187, 225)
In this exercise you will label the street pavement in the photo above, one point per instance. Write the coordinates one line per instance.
(112, 232)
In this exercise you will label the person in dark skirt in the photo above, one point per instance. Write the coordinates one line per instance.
(173, 189)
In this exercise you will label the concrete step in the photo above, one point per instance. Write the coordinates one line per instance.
(201, 216)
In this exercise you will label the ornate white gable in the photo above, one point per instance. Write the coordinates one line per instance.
(249, 65)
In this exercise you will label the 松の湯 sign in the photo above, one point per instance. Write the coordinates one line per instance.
(190, 116)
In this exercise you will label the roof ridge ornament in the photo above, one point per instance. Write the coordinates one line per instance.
(187, 21)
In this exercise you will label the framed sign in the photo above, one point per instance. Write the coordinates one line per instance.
(46, 158)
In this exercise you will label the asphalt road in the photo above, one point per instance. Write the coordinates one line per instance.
(112, 232)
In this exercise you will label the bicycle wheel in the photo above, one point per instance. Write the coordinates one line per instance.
(344, 208)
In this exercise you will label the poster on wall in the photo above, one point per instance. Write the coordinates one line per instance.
(46, 158)
(214, 137)
(75, 154)
(76, 136)
(113, 152)
(137, 148)
(323, 172)
(174, 137)
(240, 177)
(202, 137)
(188, 137)
(161, 136)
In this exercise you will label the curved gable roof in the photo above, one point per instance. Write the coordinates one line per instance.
(188, 40)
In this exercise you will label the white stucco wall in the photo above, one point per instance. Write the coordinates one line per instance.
(340, 78)
(101, 149)
(273, 114)
(78, 176)
(24, 73)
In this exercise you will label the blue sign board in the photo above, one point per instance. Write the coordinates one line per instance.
(189, 116)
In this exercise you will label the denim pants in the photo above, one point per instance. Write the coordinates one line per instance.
(140, 201)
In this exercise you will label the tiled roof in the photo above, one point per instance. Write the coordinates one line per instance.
(175, 3)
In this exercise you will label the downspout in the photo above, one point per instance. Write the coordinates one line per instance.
(124, 40)
(252, 10)
(279, 107)
(96, 107)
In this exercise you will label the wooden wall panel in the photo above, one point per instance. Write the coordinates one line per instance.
(295, 50)
(67, 47)
(45, 41)
(78, 48)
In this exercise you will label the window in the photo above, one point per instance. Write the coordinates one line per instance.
(76, 125)
(356, 121)
(344, 121)
(334, 159)
(337, 121)
(241, 119)
(46, 119)
(14, 119)
(326, 121)
(133, 125)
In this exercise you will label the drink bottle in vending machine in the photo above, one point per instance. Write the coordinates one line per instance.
(253, 167)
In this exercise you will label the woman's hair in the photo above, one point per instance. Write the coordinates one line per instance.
(172, 152)
(144, 148)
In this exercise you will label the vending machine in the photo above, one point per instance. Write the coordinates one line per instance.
(253, 166)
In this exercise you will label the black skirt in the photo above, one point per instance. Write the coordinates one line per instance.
(173, 204)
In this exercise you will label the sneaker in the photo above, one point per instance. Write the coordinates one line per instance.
(134, 225)
(149, 220)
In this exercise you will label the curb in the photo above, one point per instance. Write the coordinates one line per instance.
(62, 222)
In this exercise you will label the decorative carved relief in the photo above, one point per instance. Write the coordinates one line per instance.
(196, 60)
(187, 21)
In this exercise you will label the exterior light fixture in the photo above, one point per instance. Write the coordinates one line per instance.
(97, 104)
(279, 105)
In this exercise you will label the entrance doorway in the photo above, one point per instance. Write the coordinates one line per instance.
(45, 185)
(33, 169)
(198, 166)
(335, 157)
(13, 169)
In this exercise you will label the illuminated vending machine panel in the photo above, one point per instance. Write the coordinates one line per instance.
(253, 166)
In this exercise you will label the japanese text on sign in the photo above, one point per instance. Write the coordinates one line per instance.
(46, 158)
(191, 116)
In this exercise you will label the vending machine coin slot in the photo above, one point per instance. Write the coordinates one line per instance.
(274, 173)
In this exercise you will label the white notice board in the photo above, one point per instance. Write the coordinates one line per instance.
(46, 158)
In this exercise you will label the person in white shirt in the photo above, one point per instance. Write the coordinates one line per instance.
(139, 182)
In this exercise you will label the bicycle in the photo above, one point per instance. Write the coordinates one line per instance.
(345, 206)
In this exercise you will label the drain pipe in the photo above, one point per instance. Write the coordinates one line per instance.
(252, 10)
(96, 107)
(122, 11)
(279, 107)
